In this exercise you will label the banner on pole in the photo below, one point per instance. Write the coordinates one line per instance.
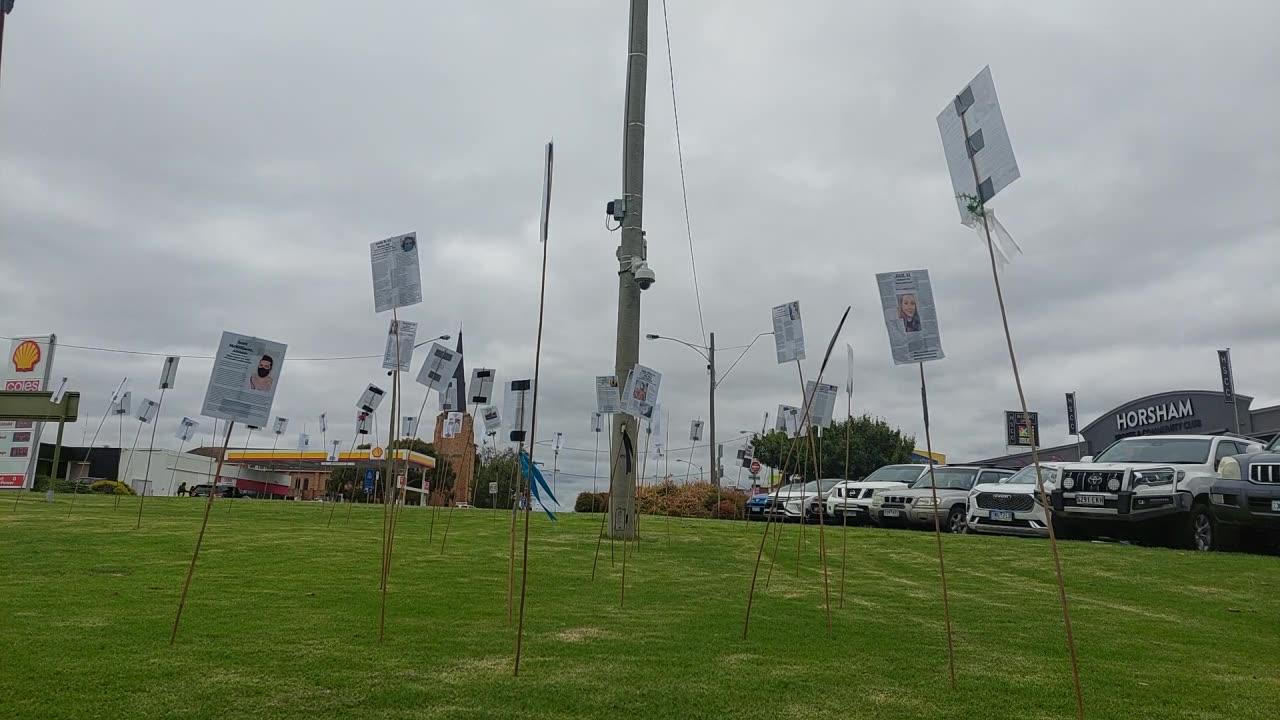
(1071, 414)
(246, 373)
(910, 317)
(169, 373)
(408, 333)
(397, 281)
(439, 367)
(371, 398)
(788, 332)
(641, 392)
(1228, 380)
(1021, 430)
(481, 389)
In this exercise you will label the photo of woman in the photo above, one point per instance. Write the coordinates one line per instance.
(908, 312)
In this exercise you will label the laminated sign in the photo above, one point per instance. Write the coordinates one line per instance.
(280, 426)
(169, 373)
(788, 332)
(597, 422)
(788, 420)
(363, 426)
(452, 425)
(976, 144)
(409, 426)
(519, 408)
(397, 281)
(449, 398)
(607, 398)
(333, 451)
(147, 410)
(122, 404)
(822, 406)
(481, 389)
(408, 333)
(695, 431)
(910, 316)
(186, 429)
(371, 398)
(246, 373)
(439, 367)
(304, 442)
(641, 393)
(492, 420)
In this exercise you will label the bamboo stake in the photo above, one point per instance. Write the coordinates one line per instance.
(204, 523)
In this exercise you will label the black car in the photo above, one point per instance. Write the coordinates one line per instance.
(1246, 501)
(227, 491)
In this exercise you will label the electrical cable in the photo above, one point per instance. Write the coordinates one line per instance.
(94, 348)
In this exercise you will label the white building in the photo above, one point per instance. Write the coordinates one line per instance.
(170, 469)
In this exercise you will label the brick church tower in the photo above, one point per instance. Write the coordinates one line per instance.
(460, 452)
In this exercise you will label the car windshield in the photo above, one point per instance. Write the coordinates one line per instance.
(895, 473)
(948, 479)
(1027, 476)
(826, 485)
(1185, 451)
(1275, 445)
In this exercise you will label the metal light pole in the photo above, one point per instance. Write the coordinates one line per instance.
(631, 252)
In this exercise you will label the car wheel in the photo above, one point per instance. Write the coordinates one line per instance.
(955, 521)
(1200, 532)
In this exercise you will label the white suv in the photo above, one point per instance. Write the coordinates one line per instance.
(1012, 505)
(851, 499)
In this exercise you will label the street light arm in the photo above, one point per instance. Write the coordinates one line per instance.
(691, 346)
(740, 356)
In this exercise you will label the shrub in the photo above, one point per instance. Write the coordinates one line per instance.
(591, 502)
(111, 487)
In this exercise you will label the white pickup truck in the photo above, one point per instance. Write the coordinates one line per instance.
(1153, 488)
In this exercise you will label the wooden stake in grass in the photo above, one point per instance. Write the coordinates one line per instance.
(391, 485)
(533, 421)
(817, 475)
(115, 396)
(511, 554)
(844, 513)
(937, 532)
(204, 523)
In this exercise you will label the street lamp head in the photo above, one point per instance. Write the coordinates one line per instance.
(651, 336)
(445, 337)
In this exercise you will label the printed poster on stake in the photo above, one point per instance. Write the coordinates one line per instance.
(246, 373)
(397, 281)
(408, 333)
(641, 393)
(492, 420)
(439, 367)
(788, 332)
(910, 316)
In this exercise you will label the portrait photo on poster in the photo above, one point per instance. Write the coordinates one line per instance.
(910, 317)
(246, 373)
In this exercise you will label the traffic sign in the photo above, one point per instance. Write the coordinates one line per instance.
(755, 467)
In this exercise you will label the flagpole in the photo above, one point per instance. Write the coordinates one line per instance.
(150, 451)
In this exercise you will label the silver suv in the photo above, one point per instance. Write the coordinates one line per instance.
(914, 506)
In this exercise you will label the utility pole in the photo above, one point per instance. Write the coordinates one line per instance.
(622, 470)
(711, 366)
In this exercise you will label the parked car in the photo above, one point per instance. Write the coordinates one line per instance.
(1246, 500)
(1012, 506)
(756, 505)
(228, 491)
(1152, 488)
(809, 505)
(776, 500)
(914, 506)
(851, 499)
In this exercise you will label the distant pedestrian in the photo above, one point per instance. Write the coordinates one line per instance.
(182, 489)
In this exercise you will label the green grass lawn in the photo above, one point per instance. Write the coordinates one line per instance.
(282, 622)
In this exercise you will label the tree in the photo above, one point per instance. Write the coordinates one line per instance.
(500, 468)
(873, 444)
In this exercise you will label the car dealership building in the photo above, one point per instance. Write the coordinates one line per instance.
(1178, 412)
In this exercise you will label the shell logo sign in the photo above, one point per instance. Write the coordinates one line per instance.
(375, 453)
(26, 356)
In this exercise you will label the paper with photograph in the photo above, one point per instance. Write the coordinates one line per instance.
(242, 385)
(910, 316)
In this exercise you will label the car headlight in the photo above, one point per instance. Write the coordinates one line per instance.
(1068, 483)
(924, 501)
(1114, 484)
(1161, 476)
(1229, 468)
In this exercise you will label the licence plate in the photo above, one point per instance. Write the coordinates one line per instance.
(1094, 500)
(1275, 506)
(889, 512)
(756, 509)
(1002, 515)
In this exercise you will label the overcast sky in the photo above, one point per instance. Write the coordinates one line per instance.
(170, 170)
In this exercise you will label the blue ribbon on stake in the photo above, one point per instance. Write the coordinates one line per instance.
(537, 484)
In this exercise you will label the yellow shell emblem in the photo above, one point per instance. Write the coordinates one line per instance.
(26, 356)
(376, 452)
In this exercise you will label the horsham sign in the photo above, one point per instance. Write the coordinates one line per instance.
(1183, 411)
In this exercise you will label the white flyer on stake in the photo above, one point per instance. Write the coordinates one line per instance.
(788, 332)
(147, 410)
(822, 408)
(788, 420)
(481, 388)
(408, 333)
(246, 373)
(695, 431)
(371, 398)
(397, 281)
(976, 109)
(492, 420)
(452, 425)
(607, 397)
(910, 316)
(186, 429)
(641, 393)
(519, 407)
(439, 367)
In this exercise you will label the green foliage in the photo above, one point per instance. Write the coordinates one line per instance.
(591, 502)
(111, 487)
(873, 444)
(501, 468)
(688, 500)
